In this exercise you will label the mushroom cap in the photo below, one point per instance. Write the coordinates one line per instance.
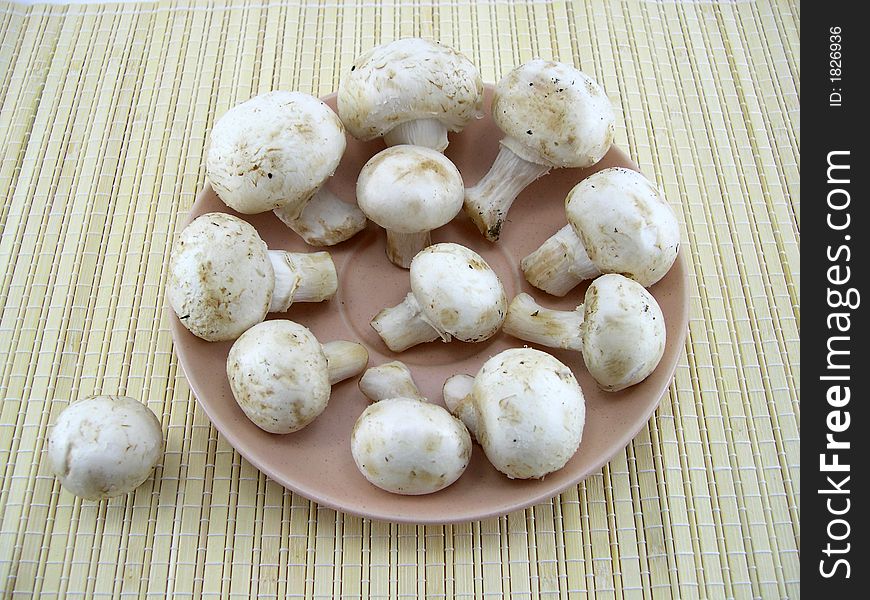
(458, 292)
(410, 189)
(625, 224)
(406, 80)
(553, 114)
(407, 446)
(623, 332)
(278, 375)
(104, 446)
(530, 412)
(274, 151)
(220, 277)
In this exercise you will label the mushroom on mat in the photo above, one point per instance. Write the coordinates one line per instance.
(618, 222)
(276, 152)
(619, 329)
(104, 446)
(410, 91)
(223, 279)
(553, 116)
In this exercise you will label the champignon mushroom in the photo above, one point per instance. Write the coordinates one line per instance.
(553, 116)
(409, 190)
(411, 91)
(525, 408)
(389, 380)
(402, 443)
(281, 376)
(454, 294)
(618, 222)
(275, 152)
(104, 446)
(223, 279)
(619, 329)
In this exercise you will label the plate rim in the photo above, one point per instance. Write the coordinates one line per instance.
(176, 328)
(478, 516)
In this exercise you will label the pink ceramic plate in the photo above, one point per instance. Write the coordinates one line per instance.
(316, 462)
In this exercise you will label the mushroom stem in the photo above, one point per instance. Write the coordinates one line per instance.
(402, 247)
(326, 220)
(559, 264)
(460, 401)
(430, 133)
(301, 277)
(389, 380)
(529, 321)
(403, 325)
(344, 359)
(488, 202)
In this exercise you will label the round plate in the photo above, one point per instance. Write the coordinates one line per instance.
(316, 462)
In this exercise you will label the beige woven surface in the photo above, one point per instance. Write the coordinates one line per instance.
(104, 116)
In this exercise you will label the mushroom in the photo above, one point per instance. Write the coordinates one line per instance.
(618, 222)
(275, 152)
(281, 376)
(454, 294)
(524, 407)
(411, 91)
(619, 329)
(409, 190)
(223, 279)
(402, 443)
(104, 446)
(389, 380)
(553, 116)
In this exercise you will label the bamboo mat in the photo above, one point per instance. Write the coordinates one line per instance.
(104, 116)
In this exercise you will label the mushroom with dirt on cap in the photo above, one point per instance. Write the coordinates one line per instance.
(619, 329)
(410, 91)
(275, 152)
(553, 116)
(223, 279)
(104, 446)
(454, 294)
(281, 376)
(525, 408)
(618, 222)
(409, 190)
(402, 443)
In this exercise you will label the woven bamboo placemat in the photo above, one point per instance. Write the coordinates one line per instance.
(104, 116)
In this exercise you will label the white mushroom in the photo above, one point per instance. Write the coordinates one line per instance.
(553, 116)
(275, 152)
(402, 443)
(389, 380)
(411, 91)
(619, 329)
(525, 408)
(104, 446)
(223, 279)
(618, 222)
(409, 190)
(326, 220)
(454, 294)
(281, 376)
